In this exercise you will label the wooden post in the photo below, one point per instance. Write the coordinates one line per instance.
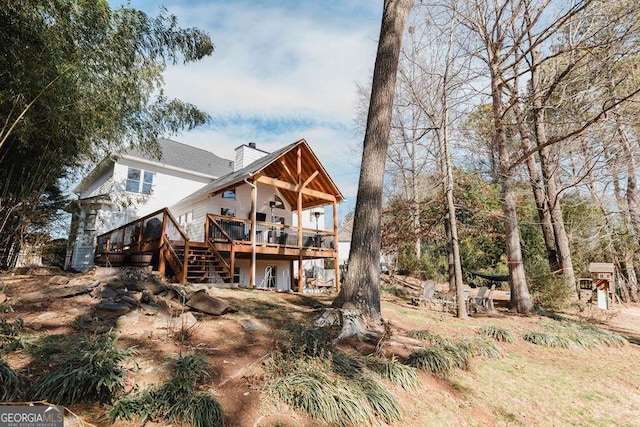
(206, 228)
(139, 236)
(300, 280)
(185, 263)
(291, 273)
(252, 262)
(336, 257)
(163, 241)
(232, 262)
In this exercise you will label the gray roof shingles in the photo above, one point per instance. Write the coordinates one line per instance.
(186, 157)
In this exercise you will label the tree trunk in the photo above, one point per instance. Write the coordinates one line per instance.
(557, 220)
(552, 197)
(362, 282)
(538, 191)
(520, 298)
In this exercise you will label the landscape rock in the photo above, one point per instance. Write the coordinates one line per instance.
(89, 283)
(59, 280)
(114, 307)
(186, 320)
(149, 310)
(130, 300)
(128, 319)
(68, 291)
(108, 293)
(150, 286)
(147, 297)
(3, 298)
(35, 296)
(202, 302)
(48, 315)
(163, 321)
(251, 325)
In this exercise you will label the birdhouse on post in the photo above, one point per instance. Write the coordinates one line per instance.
(603, 276)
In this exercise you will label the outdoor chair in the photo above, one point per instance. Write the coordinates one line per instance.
(482, 300)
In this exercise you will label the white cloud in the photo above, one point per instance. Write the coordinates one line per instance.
(281, 71)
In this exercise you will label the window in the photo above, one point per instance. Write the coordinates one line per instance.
(139, 181)
(229, 194)
(133, 180)
(185, 218)
(227, 211)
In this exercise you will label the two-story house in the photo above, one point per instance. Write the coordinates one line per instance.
(130, 184)
(255, 226)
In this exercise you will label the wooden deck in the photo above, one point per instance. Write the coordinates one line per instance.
(227, 239)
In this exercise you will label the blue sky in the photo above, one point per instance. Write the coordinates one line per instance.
(281, 71)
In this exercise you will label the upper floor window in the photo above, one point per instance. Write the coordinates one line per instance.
(139, 181)
(229, 194)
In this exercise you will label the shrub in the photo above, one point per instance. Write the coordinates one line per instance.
(497, 333)
(9, 382)
(333, 386)
(10, 338)
(566, 334)
(92, 373)
(178, 400)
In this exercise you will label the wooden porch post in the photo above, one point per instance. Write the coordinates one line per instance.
(252, 263)
(185, 264)
(300, 280)
(291, 275)
(163, 241)
(232, 262)
(139, 236)
(336, 258)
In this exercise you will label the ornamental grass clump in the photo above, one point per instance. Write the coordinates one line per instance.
(94, 372)
(497, 333)
(443, 358)
(178, 400)
(332, 386)
(9, 382)
(430, 337)
(576, 335)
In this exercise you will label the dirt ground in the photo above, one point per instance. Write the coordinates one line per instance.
(237, 344)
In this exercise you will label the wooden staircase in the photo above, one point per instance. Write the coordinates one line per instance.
(205, 265)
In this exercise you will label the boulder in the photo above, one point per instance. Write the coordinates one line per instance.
(68, 291)
(89, 283)
(149, 286)
(108, 293)
(48, 315)
(147, 297)
(3, 298)
(186, 320)
(129, 300)
(59, 280)
(163, 321)
(202, 302)
(31, 297)
(128, 319)
(114, 307)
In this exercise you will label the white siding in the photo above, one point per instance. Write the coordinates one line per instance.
(96, 187)
(168, 187)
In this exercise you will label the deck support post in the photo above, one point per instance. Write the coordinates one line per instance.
(336, 258)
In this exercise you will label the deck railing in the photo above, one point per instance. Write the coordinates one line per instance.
(221, 228)
(158, 230)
